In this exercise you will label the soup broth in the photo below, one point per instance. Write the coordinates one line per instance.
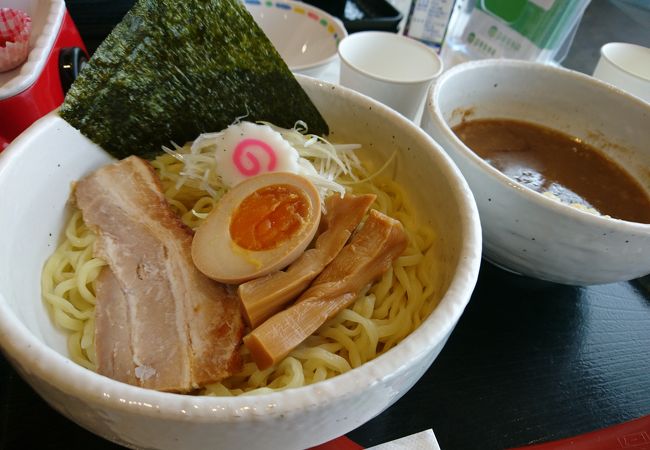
(546, 160)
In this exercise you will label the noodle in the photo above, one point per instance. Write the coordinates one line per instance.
(377, 321)
(68, 289)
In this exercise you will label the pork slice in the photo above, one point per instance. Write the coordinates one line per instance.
(185, 328)
(112, 330)
(216, 328)
(263, 297)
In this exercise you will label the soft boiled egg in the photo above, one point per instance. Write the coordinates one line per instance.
(260, 226)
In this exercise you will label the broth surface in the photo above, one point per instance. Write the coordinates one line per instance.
(546, 160)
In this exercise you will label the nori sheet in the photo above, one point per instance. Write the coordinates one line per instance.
(172, 69)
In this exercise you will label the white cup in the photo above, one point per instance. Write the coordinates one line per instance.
(391, 68)
(626, 66)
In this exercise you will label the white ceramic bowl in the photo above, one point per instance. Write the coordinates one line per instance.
(305, 36)
(35, 176)
(524, 231)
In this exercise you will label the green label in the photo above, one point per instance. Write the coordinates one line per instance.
(543, 22)
(508, 10)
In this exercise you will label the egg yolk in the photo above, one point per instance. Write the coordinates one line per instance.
(268, 217)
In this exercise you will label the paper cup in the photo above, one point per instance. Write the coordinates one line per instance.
(391, 68)
(626, 66)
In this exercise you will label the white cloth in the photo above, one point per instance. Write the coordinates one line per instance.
(424, 440)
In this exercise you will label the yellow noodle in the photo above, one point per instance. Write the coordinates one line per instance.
(379, 319)
(322, 356)
(68, 288)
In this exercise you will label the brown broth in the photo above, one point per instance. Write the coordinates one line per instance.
(546, 160)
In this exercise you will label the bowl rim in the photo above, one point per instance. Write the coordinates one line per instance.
(435, 113)
(340, 29)
(42, 362)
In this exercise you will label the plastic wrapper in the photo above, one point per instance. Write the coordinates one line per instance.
(533, 30)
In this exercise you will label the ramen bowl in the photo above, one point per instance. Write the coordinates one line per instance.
(305, 36)
(35, 176)
(525, 231)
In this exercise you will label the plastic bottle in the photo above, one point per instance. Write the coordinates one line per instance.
(535, 30)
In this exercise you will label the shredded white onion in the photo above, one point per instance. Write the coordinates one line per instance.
(320, 161)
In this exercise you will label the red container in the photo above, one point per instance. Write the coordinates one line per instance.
(38, 86)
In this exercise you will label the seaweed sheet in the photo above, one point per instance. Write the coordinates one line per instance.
(171, 70)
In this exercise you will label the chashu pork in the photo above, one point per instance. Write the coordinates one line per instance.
(160, 323)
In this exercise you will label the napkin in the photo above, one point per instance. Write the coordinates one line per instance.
(424, 440)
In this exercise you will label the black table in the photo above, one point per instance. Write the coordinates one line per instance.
(529, 361)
